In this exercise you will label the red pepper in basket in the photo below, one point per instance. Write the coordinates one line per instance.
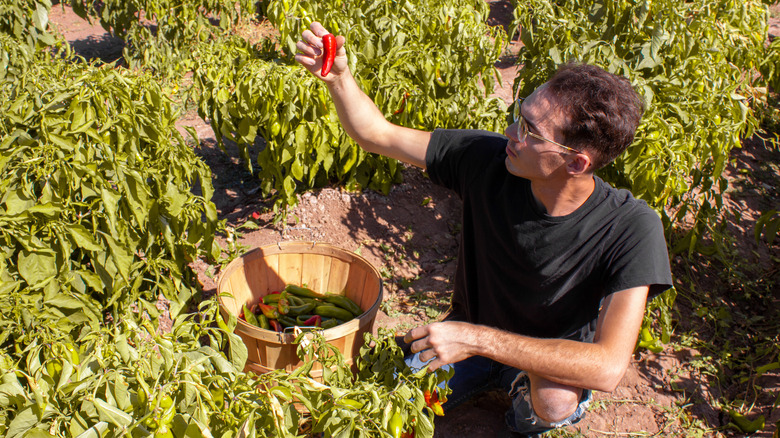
(275, 325)
(328, 53)
(270, 312)
(314, 321)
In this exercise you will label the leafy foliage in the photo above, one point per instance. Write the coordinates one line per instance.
(259, 91)
(27, 21)
(160, 34)
(96, 195)
(24, 28)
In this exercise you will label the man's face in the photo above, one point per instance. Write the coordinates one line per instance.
(534, 158)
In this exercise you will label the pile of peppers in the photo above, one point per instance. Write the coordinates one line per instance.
(298, 306)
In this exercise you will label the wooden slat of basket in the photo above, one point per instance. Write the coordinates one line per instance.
(374, 285)
(275, 281)
(290, 268)
(239, 288)
(356, 282)
(256, 272)
(316, 271)
(339, 273)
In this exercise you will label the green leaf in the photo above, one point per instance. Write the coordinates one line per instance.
(24, 420)
(83, 238)
(16, 202)
(37, 267)
(238, 351)
(121, 256)
(96, 431)
(112, 414)
(41, 17)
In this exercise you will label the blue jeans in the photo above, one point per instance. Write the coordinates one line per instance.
(478, 374)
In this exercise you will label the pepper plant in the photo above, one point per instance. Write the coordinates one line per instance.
(425, 64)
(95, 190)
(178, 26)
(24, 28)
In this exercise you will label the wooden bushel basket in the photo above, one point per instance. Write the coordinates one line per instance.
(322, 268)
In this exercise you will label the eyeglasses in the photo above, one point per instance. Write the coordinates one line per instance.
(522, 128)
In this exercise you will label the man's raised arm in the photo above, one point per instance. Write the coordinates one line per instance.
(357, 112)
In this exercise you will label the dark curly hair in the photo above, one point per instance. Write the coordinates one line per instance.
(601, 110)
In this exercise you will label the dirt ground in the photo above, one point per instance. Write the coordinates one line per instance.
(411, 235)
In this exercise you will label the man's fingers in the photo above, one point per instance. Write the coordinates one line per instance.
(421, 345)
(415, 333)
(435, 364)
(318, 29)
(307, 49)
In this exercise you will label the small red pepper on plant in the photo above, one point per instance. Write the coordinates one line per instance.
(432, 400)
(328, 53)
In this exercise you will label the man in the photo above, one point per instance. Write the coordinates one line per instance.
(555, 266)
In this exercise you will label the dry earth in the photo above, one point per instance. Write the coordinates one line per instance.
(411, 235)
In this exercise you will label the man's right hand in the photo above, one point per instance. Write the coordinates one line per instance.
(358, 114)
(310, 53)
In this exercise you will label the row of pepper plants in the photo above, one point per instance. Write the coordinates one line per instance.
(103, 206)
(249, 90)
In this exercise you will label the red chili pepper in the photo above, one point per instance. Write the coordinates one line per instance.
(270, 312)
(314, 321)
(255, 215)
(432, 400)
(275, 325)
(403, 104)
(427, 396)
(328, 54)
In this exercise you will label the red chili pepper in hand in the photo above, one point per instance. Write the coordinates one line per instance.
(328, 53)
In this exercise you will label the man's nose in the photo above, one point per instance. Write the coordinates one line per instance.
(511, 132)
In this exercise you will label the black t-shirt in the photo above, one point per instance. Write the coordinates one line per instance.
(524, 271)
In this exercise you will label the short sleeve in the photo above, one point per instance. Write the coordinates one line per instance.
(639, 256)
(456, 156)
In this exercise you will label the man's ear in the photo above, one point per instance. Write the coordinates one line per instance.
(579, 164)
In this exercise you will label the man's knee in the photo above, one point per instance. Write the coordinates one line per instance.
(553, 402)
(539, 405)
(555, 405)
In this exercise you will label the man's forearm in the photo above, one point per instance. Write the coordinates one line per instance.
(365, 124)
(578, 364)
(599, 365)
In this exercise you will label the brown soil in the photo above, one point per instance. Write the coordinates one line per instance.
(411, 235)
